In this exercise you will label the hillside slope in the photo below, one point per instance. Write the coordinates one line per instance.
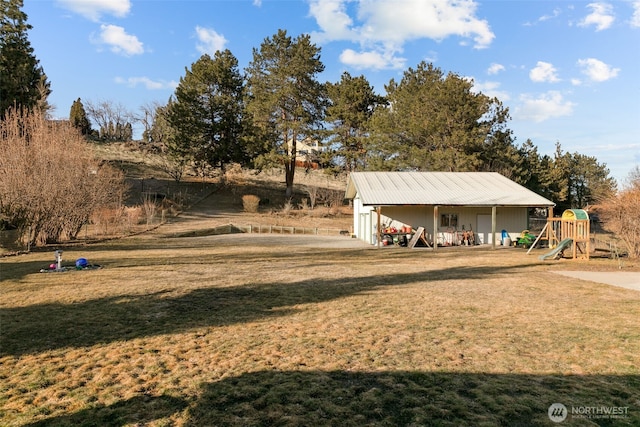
(214, 201)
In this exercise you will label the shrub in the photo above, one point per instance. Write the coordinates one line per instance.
(50, 182)
(324, 196)
(234, 175)
(287, 207)
(619, 215)
(133, 216)
(149, 207)
(312, 192)
(107, 220)
(250, 203)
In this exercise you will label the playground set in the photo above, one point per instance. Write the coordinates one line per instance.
(571, 230)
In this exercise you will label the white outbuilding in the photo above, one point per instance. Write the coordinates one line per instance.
(447, 205)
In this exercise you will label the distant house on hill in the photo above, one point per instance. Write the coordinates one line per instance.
(308, 153)
(308, 148)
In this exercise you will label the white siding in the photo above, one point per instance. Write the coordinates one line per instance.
(364, 221)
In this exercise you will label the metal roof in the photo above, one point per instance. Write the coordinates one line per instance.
(440, 188)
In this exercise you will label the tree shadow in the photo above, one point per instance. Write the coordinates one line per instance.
(42, 327)
(139, 410)
(317, 398)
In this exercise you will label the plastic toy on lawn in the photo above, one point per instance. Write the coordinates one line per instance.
(526, 239)
(57, 267)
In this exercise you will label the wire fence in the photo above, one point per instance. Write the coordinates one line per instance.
(282, 229)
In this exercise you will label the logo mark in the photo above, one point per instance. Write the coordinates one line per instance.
(557, 412)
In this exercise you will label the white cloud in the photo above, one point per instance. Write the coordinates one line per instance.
(119, 40)
(546, 106)
(332, 17)
(384, 26)
(596, 70)
(544, 72)
(146, 82)
(495, 68)
(601, 16)
(257, 3)
(371, 60)
(635, 18)
(94, 9)
(556, 12)
(209, 41)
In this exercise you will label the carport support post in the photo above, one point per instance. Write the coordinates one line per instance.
(435, 227)
(379, 231)
(493, 227)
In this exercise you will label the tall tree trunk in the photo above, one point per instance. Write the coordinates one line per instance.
(290, 166)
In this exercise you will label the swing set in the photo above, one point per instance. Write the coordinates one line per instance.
(572, 230)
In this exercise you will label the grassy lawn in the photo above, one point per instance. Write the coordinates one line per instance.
(205, 332)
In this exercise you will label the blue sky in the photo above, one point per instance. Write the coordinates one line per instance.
(569, 71)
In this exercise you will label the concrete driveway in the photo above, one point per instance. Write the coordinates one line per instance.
(623, 279)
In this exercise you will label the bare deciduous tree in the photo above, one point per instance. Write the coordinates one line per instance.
(112, 119)
(312, 192)
(50, 182)
(147, 117)
(619, 214)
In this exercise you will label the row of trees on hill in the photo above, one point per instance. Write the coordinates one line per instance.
(114, 120)
(219, 116)
(428, 120)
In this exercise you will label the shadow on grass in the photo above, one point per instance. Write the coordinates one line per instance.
(138, 410)
(43, 327)
(409, 398)
(340, 398)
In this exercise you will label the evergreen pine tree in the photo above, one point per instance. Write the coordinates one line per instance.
(352, 102)
(23, 82)
(208, 113)
(286, 101)
(438, 122)
(78, 117)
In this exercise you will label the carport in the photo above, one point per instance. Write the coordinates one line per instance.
(444, 204)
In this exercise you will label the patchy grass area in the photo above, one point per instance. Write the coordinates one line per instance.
(207, 331)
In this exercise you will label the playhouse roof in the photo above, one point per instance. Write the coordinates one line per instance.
(440, 188)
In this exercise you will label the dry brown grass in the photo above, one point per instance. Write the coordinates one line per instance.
(255, 330)
(227, 330)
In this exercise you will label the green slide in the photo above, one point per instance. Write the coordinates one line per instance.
(556, 253)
